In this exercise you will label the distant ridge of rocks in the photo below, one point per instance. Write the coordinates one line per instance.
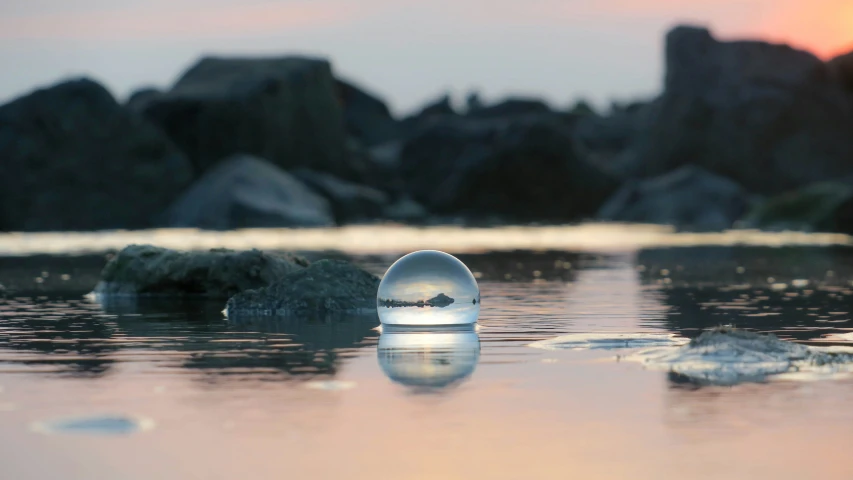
(441, 300)
(741, 130)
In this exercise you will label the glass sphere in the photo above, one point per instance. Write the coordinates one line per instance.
(428, 288)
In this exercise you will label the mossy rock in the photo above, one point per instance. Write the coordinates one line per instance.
(325, 287)
(147, 270)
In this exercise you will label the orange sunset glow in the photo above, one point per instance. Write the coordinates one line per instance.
(823, 27)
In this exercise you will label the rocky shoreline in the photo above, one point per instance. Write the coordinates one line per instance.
(743, 134)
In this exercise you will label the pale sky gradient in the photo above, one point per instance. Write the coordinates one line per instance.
(407, 51)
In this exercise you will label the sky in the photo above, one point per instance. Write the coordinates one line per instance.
(407, 51)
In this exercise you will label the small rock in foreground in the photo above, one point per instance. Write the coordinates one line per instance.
(218, 273)
(727, 356)
(326, 286)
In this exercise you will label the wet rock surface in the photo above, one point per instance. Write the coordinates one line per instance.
(145, 270)
(324, 287)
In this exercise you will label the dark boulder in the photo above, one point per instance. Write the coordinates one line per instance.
(326, 286)
(375, 167)
(437, 108)
(248, 192)
(522, 168)
(218, 273)
(841, 70)
(367, 116)
(283, 109)
(605, 140)
(820, 207)
(690, 198)
(349, 201)
(74, 159)
(139, 99)
(768, 116)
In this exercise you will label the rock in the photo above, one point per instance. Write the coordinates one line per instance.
(441, 300)
(473, 102)
(820, 207)
(523, 168)
(582, 108)
(841, 70)
(325, 287)
(764, 115)
(690, 198)
(248, 192)
(350, 202)
(374, 167)
(367, 117)
(510, 107)
(74, 159)
(140, 99)
(284, 109)
(438, 108)
(605, 140)
(218, 273)
(727, 356)
(608, 341)
(405, 210)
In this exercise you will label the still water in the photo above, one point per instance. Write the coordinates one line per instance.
(171, 390)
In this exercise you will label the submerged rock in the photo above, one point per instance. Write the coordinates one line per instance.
(95, 425)
(608, 341)
(726, 356)
(326, 286)
(218, 273)
(248, 192)
(74, 159)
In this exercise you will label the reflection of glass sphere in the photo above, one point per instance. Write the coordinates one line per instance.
(428, 288)
(431, 359)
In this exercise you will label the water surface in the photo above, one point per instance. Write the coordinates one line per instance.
(171, 390)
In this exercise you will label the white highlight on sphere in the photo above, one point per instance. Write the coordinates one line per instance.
(427, 288)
